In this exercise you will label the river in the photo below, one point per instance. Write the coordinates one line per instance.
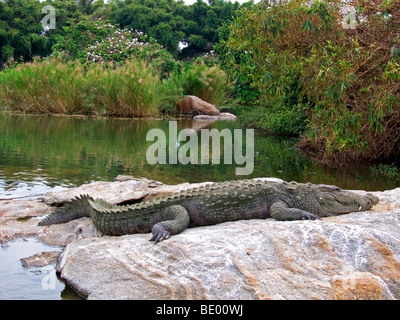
(39, 154)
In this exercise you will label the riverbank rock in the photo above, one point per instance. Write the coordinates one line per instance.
(19, 219)
(193, 105)
(222, 116)
(353, 256)
(113, 192)
(40, 259)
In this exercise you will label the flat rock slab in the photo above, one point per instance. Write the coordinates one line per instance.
(221, 116)
(40, 259)
(19, 219)
(112, 192)
(353, 256)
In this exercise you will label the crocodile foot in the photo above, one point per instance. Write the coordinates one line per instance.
(309, 216)
(159, 233)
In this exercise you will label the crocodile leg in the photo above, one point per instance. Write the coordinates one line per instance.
(281, 211)
(176, 220)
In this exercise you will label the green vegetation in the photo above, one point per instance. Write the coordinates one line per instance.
(391, 171)
(301, 68)
(299, 57)
(133, 89)
(95, 67)
(281, 121)
(168, 22)
(207, 83)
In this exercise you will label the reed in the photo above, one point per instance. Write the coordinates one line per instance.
(46, 87)
(207, 83)
(55, 87)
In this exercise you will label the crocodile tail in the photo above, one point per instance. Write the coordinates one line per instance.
(78, 207)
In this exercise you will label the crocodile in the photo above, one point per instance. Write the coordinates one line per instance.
(214, 203)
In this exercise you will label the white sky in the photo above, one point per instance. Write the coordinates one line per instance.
(241, 1)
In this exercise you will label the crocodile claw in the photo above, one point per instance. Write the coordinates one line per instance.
(309, 216)
(159, 234)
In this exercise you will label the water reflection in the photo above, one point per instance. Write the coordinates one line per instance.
(17, 282)
(39, 153)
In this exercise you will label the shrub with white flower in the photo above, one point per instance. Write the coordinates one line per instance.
(100, 42)
(117, 46)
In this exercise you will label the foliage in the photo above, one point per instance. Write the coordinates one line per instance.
(98, 41)
(207, 83)
(21, 34)
(49, 87)
(169, 22)
(131, 90)
(53, 86)
(391, 171)
(239, 67)
(19, 30)
(280, 121)
(297, 52)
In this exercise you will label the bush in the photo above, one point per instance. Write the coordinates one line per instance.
(131, 90)
(207, 83)
(99, 42)
(391, 171)
(280, 121)
(297, 52)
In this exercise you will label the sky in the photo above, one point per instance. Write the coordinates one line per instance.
(241, 1)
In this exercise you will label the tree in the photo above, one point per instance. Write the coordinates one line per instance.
(170, 22)
(21, 34)
(346, 79)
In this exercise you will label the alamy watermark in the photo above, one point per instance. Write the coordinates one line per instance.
(49, 20)
(50, 279)
(184, 148)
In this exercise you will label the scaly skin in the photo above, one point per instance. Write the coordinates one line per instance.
(214, 203)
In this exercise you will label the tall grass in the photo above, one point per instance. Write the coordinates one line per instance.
(48, 87)
(131, 90)
(207, 83)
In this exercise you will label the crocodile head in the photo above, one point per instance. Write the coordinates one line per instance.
(337, 201)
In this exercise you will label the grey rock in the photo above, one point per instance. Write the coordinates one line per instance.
(353, 256)
(19, 219)
(113, 192)
(40, 259)
(222, 116)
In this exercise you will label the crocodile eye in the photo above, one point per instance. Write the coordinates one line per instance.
(328, 197)
(328, 188)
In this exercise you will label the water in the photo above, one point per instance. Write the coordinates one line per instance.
(40, 154)
(39, 283)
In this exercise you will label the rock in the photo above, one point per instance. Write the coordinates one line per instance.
(151, 183)
(112, 192)
(19, 219)
(194, 105)
(40, 259)
(353, 256)
(221, 116)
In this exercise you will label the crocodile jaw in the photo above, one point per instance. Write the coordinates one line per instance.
(337, 201)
